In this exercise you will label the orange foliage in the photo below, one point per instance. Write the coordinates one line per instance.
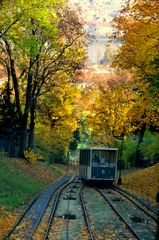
(7, 221)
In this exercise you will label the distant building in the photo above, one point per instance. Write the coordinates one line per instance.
(97, 16)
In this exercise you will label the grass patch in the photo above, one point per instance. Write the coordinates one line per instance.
(16, 187)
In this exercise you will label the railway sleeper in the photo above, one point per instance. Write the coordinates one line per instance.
(138, 219)
(69, 198)
(68, 216)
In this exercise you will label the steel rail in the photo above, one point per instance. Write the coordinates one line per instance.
(54, 208)
(121, 217)
(68, 209)
(86, 217)
(135, 203)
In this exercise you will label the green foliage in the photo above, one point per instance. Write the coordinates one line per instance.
(52, 144)
(76, 139)
(42, 148)
(126, 152)
(129, 153)
(149, 148)
(52, 151)
(31, 156)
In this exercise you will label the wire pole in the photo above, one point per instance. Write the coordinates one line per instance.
(120, 163)
(68, 159)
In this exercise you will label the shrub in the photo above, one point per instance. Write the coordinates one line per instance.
(129, 153)
(126, 158)
(149, 148)
(43, 150)
(31, 156)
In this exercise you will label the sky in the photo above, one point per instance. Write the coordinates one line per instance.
(96, 10)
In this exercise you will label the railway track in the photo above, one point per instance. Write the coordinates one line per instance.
(152, 213)
(139, 221)
(45, 225)
(121, 217)
(70, 218)
(72, 211)
(104, 222)
(65, 222)
(59, 216)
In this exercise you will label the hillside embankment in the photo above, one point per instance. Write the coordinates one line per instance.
(20, 182)
(144, 182)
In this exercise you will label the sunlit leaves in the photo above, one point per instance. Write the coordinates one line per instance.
(15, 13)
(109, 116)
(58, 111)
(137, 28)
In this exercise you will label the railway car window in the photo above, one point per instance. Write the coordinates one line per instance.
(111, 158)
(102, 157)
(95, 156)
(86, 160)
(107, 157)
(85, 157)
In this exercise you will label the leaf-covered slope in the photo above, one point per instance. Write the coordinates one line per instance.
(144, 182)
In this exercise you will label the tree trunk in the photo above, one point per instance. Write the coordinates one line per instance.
(15, 80)
(28, 106)
(23, 136)
(139, 156)
(32, 126)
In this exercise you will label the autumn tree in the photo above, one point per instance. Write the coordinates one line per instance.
(137, 27)
(110, 118)
(58, 113)
(38, 41)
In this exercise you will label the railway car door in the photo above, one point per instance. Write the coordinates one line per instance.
(98, 164)
(95, 158)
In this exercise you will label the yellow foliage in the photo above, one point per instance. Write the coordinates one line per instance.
(138, 29)
(110, 110)
(31, 156)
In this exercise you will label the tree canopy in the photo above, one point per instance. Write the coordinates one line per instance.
(137, 27)
(39, 40)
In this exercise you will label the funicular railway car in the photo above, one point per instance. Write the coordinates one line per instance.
(98, 164)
